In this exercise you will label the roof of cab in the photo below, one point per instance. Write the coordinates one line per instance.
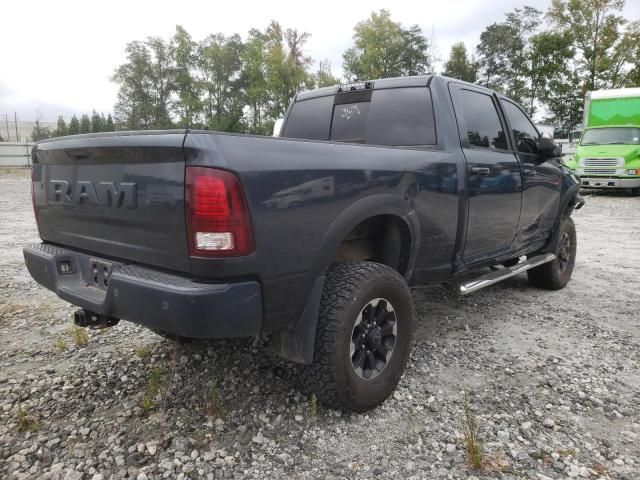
(395, 82)
(414, 81)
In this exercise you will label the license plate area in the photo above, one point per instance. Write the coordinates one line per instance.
(99, 273)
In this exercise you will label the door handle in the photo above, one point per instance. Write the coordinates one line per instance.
(529, 171)
(480, 171)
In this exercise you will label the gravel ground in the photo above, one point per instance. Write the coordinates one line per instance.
(552, 381)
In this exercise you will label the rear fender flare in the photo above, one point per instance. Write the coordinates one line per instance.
(296, 343)
(356, 213)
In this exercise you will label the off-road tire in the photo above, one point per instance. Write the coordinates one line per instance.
(349, 287)
(555, 275)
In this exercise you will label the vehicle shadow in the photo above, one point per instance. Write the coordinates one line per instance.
(607, 193)
(249, 375)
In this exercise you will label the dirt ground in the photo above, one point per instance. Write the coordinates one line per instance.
(552, 381)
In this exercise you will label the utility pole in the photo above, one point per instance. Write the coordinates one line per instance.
(15, 118)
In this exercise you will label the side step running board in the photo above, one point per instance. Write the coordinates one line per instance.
(504, 273)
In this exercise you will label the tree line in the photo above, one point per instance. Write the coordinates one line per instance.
(545, 61)
(585, 46)
(226, 83)
(95, 123)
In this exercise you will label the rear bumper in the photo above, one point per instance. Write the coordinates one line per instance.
(606, 182)
(157, 300)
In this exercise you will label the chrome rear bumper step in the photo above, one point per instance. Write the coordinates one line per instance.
(496, 276)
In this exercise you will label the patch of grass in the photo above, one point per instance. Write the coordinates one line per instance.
(143, 351)
(567, 452)
(59, 344)
(17, 171)
(543, 456)
(26, 422)
(599, 468)
(212, 404)
(79, 335)
(471, 434)
(155, 384)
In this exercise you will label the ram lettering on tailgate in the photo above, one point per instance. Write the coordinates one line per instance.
(84, 192)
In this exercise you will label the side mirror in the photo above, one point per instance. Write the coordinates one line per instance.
(547, 148)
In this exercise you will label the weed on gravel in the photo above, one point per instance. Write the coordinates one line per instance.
(79, 336)
(471, 435)
(25, 421)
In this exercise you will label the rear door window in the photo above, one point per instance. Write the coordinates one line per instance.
(401, 116)
(481, 119)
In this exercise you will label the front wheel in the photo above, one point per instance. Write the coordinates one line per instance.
(363, 337)
(555, 275)
(635, 192)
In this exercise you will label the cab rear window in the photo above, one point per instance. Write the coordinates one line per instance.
(390, 117)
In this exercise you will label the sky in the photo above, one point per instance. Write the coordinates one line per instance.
(56, 58)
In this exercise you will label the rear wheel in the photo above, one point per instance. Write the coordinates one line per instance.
(363, 337)
(555, 275)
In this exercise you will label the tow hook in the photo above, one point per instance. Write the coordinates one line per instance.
(85, 318)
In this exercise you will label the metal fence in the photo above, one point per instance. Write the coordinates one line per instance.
(15, 154)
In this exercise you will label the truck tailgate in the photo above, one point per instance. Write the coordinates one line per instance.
(119, 195)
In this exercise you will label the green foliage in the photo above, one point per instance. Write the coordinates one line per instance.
(471, 435)
(324, 76)
(255, 82)
(595, 28)
(226, 83)
(25, 421)
(109, 125)
(383, 48)
(459, 65)
(39, 132)
(553, 81)
(286, 67)
(61, 128)
(59, 344)
(156, 383)
(219, 67)
(146, 82)
(188, 103)
(504, 53)
(79, 336)
(97, 122)
(603, 54)
(85, 124)
(219, 83)
(74, 126)
(143, 352)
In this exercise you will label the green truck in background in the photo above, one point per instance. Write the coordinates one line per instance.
(608, 155)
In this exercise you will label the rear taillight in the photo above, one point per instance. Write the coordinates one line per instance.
(218, 223)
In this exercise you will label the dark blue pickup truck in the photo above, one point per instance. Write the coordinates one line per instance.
(314, 237)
